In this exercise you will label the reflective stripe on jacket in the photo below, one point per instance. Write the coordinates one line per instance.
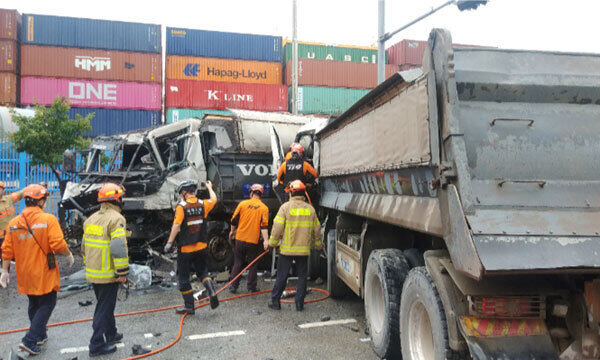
(104, 245)
(7, 208)
(295, 228)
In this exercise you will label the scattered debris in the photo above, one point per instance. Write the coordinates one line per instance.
(367, 339)
(223, 276)
(256, 312)
(325, 318)
(319, 281)
(157, 334)
(85, 303)
(138, 350)
(354, 328)
(140, 276)
(367, 331)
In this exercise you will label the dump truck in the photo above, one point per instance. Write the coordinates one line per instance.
(463, 205)
(232, 151)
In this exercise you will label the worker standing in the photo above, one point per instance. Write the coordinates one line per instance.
(295, 228)
(249, 222)
(295, 168)
(7, 208)
(191, 243)
(32, 240)
(104, 246)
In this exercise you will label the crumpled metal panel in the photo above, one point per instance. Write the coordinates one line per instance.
(537, 253)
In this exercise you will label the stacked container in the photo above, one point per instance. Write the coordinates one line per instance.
(332, 78)
(9, 50)
(210, 71)
(408, 54)
(110, 68)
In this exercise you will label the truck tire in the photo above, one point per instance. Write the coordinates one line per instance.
(335, 286)
(423, 329)
(385, 274)
(414, 257)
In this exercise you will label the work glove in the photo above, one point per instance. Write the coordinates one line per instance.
(4, 279)
(168, 247)
(70, 259)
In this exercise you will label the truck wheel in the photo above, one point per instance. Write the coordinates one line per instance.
(335, 286)
(414, 257)
(385, 274)
(423, 330)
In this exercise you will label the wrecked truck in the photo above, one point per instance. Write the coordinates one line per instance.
(233, 152)
(463, 206)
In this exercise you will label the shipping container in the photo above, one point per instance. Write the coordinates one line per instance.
(91, 93)
(336, 73)
(50, 61)
(112, 121)
(174, 115)
(89, 33)
(9, 56)
(326, 100)
(407, 52)
(306, 50)
(222, 95)
(214, 69)
(225, 45)
(9, 24)
(8, 89)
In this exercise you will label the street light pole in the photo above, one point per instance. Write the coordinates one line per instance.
(381, 43)
(295, 60)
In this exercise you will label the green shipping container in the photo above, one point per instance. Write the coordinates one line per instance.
(335, 53)
(174, 115)
(326, 100)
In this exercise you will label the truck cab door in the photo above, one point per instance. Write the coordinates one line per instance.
(277, 151)
(195, 156)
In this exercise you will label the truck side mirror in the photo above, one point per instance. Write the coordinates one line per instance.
(69, 161)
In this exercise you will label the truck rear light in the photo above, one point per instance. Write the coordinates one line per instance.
(508, 306)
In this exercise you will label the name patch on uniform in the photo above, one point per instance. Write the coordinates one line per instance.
(96, 230)
(40, 226)
(300, 212)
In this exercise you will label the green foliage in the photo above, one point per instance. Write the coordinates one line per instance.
(50, 132)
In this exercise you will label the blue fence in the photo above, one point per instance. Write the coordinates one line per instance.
(17, 172)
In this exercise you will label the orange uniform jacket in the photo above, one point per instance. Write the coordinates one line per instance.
(33, 275)
(250, 217)
(306, 168)
(209, 204)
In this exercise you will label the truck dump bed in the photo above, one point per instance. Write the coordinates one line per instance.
(496, 151)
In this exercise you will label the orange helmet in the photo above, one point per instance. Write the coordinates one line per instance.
(296, 148)
(35, 191)
(2, 185)
(257, 188)
(110, 192)
(295, 186)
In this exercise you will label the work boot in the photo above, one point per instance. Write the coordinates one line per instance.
(210, 287)
(275, 305)
(299, 306)
(115, 339)
(106, 349)
(32, 349)
(188, 304)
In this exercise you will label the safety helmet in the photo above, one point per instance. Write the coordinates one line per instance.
(257, 188)
(110, 192)
(296, 148)
(35, 191)
(295, 186)
(187, 185)
(2, 185)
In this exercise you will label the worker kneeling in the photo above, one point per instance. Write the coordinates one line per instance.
(295, 228)
(189, 224)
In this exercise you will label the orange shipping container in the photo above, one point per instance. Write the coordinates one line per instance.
(227, 70)
(50, 61)
(8, 56)
(8, 89)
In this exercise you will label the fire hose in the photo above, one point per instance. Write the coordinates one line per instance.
(200, 303)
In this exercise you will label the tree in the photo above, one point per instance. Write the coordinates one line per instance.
(47, 134)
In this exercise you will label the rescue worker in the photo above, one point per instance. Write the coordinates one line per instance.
(295, 228)
(189, 224)
(249, 222)
(32, 239)
(7, 208)
(104, 246)
(296, 168)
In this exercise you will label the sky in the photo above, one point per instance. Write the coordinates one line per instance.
(560, 25)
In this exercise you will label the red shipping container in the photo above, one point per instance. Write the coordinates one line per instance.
(8, 56)
(341, 74)
(9, 24)
(194, 94)
(8, 89)
(408, 52)
(50, 61)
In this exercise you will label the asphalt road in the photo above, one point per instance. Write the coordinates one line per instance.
(240, 329)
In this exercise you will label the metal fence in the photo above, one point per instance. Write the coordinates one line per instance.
(17, 172)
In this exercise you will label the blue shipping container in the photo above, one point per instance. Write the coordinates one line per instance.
(112, 121)
(90, 33)
(223, 45)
